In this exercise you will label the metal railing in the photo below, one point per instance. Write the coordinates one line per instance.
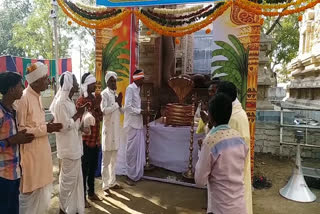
(305, 127)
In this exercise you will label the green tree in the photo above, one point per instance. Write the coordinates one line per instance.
(12, 12)
(235, 64)
(285, 32)
(35, 35)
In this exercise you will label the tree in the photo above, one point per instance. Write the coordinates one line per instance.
(35, 35)
(285, 32)
(235, 65)
(12, 12)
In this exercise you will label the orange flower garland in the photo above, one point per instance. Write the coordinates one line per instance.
(69, 22)
(184, 30)
(148, 33)
(94, 24)
(300, 18)
(208, 31)
(177, 41)
(267, 13)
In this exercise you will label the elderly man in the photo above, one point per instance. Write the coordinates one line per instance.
(111, 131)
(69, 146)
(11, 90)
(91, 142)
(133, 124)
(36, 160)
(239, 121)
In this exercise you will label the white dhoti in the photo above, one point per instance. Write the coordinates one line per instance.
(108, 169)
(135, 154)
(71, 195)
(36, 202)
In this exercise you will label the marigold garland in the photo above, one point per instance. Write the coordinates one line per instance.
(177, 11)
(94, 24)
(283, 13)
(169, 16)
(272, 6)
(184, 30)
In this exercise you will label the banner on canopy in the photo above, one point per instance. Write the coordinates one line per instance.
(136, 3)
(19, 64)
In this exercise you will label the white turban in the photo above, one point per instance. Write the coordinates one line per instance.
(36, 71)
(84, 87)
(109, 75)
(64, 90)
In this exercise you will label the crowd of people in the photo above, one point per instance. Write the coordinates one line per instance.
(26, 171)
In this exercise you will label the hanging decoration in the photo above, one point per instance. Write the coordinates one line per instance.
(177, 22)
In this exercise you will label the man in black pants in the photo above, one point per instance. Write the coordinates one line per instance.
(91, 142)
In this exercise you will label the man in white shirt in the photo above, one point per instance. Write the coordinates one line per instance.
(111, 131)
(133, 124)
(69, 146)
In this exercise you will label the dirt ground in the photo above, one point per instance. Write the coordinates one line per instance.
(150, 197)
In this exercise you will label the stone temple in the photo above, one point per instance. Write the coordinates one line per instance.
(304, 88)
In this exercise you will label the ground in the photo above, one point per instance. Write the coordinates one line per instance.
(150, 197)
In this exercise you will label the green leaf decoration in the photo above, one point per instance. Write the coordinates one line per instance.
(236, 65)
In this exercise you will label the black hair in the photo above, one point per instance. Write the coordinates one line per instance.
(228, 88)
(84, 77)
(138, 71)
(215, 82)
(9, 80)
(220, 108)
(61, 80)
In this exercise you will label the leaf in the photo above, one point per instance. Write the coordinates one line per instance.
(237, 44)
(120, 74)
(110, 44)
(120, 67)
(228, 48)
(116, 47)
(224, 63)
(231, 58)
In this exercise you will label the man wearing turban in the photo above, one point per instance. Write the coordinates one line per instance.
(69, 145)
(111, 130)
(133, 124)
(91, 142)
(36, 159)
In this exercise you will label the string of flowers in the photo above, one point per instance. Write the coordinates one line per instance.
(272, 6)
(94, 24)
(178, 10)
(169, 16)
(91, 8)
(170, 22)
(269, 13)
(183, 30)
(89, 15)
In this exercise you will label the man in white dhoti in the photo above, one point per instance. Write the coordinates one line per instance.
(111, 131)
(133, 124)
(69, 146)
(36, 159)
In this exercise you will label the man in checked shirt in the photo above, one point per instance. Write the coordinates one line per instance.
(91, 143)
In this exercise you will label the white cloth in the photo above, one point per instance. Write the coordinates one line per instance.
(36, 202)
(71, 191)
(88, 119)
(84, 87)
(66, 87)
(40, 70)
(108, 170)
(68, 140)
(132, 108)
(109, 75)
(111, 129)
(135, 156)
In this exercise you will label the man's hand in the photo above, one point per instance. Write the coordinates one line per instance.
(119, 99)
(54, 127)
(204, 116)
(22, 137)
(80, 111)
